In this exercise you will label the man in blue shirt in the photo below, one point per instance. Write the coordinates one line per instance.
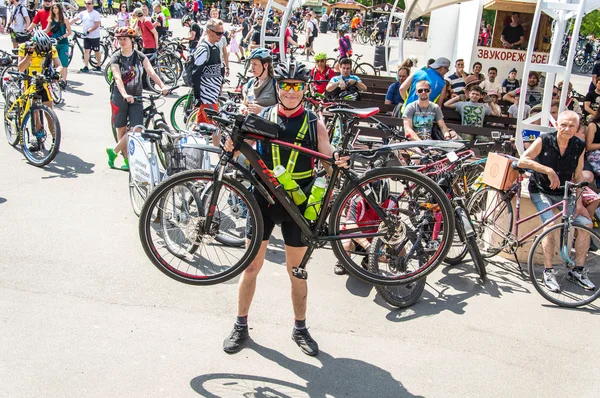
(434, 75)
(345, 81)
(393, 96)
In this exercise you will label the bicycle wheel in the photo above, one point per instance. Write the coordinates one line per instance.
(181, 110)
(401, 296)
(105, 70)
(166, 140)
(471, 173)
(191, 119)
(458, 250)
(172, 61)
(332, 62)
(578, 59)
(365, 69)
(476, 256)
(417, 229)
(40, 134)
(137, 193)
(103, 52)
(564, 248)
(11, 119)
(587, 67)
(211, 262)
(56, 91)
(166, 74)
(492, 214)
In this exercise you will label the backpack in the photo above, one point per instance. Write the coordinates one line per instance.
(348, 46)
(19, 11)
(188, 71)
(315, 31)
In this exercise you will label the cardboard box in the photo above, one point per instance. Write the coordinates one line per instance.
(498, 172)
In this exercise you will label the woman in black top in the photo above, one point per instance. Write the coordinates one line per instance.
(127, 66)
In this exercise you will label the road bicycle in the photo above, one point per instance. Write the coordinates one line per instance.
(557, 245)
(416, 234)
(75, 41)
(30, 123)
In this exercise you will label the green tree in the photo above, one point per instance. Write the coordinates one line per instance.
(590, 25)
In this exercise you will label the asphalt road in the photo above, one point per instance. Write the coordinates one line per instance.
(84, 313)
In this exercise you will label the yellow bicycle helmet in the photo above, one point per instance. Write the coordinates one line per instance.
(320, 57)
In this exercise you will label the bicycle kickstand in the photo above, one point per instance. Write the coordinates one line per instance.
(300, 271)
(518, 263)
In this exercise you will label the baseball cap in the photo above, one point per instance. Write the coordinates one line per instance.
(138, 12)
(156, 4)
(440, 62)
(493, 92)
(513, 70)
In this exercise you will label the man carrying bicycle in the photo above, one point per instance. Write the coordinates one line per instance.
(34, 57)
(296, 125)
(555, 159)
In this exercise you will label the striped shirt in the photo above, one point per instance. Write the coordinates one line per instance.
(207, 77)
(457, 83)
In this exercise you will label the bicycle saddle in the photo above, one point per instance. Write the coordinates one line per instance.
(360, 113)
(152, 135)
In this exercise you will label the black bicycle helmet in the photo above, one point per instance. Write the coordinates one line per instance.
(185, 19)
(292, 70)
(42, 41)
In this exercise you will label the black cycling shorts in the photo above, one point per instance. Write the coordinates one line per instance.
(276, 214)
(310, 41)
(91, 44)
(123, 111)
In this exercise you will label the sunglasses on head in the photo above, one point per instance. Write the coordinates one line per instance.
(289, 86)
(423, 90)
(217, 33)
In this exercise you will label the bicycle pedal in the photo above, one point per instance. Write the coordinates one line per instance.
(299, 273)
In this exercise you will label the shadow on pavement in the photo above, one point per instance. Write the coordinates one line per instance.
(2, 200)
(67, 165)
(336, 377)
(79, 92)
(457, 286)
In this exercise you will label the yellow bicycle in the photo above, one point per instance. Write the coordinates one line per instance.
(28, 122)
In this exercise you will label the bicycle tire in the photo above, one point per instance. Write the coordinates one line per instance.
(416, 187)
(11, 122)
(166, 74)
(401, 296)
(586, 67)
(364, 69)
(536, 270)
(26, 139)
(578, 60)
(492, 229)
(455, 258)
(56, 91)
(181, 110)
(332, 62)
(103, 54)
(135, 197)
(169, 268)
(162, 125)
(173, 62)
(476, 256)
(105, 70)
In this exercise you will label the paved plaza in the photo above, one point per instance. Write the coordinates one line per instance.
(83, 312)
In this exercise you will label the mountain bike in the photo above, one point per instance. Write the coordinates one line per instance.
(417, 233)
(556, 245)
(30, 123)
(75, 41)
(361, 68)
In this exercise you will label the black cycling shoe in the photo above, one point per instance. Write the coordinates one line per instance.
(33, 147)
(339, 270)
(236, 339)
(62, 84)
(305, 342)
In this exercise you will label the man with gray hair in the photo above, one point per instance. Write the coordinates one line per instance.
(555, 159)
(207, 76)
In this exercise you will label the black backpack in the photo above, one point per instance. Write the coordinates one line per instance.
(315, 31)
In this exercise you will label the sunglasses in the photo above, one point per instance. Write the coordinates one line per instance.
(423, 90)
(88, 4)
(321, 60)
(289, 86)
(217, 33)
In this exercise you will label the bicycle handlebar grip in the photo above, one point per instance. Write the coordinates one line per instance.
(210, 112)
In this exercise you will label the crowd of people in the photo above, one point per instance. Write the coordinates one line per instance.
(277, 91)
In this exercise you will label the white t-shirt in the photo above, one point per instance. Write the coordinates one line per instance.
(88, 20)
(19, 19)
(487, 85)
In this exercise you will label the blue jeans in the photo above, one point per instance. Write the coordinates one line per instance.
(542, 201)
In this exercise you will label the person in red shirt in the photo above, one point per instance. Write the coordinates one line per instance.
(321, 73)
(287, 39)
(147, 29)
(41, 17)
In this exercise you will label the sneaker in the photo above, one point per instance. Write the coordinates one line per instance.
(85, 69)
(550, 280)
(62, 84)
(125, 167)
(33, 147)
(305, 342)
(580, 277)
(97, 69)
(338, 269)
(238, 336)
(111, 157)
